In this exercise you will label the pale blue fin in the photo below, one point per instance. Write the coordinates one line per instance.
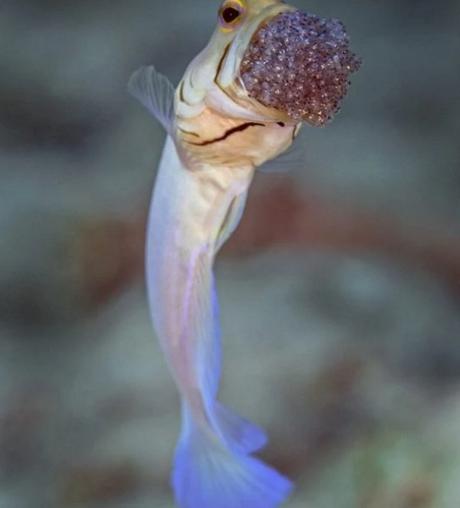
(241, 435)
(203, 323)
(208, 474)
(155, 92)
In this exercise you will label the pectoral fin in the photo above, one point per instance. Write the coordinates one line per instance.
(155, 92)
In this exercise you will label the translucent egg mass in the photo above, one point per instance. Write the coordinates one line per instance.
(300, 64)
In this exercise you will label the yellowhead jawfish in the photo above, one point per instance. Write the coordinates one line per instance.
(267, 68)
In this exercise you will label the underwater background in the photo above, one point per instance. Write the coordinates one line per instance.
(340, 291)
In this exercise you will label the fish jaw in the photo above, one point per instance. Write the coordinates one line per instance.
(216, 68)
(228, 78)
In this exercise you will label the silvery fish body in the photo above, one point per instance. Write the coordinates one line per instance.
(217, 136)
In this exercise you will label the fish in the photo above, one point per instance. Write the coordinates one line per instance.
(267, 69)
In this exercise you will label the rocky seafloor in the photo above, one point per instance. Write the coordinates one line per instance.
(340, 293)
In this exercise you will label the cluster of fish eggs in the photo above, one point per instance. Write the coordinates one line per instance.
(300, 64)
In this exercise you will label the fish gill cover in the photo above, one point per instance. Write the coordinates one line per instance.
(300, 63)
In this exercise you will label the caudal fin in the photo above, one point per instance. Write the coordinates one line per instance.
(210, 474)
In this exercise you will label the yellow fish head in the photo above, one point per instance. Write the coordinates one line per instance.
(275, 61)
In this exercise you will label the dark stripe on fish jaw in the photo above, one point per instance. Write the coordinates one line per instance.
(182, 94)
(189, 133)
(230, 132)
(221, 63)
(219, 68)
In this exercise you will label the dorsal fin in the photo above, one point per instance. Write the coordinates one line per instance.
(155, 92)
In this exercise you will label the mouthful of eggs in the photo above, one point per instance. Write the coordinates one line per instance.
(299, 64)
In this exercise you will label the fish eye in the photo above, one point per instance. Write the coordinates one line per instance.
(230, 13)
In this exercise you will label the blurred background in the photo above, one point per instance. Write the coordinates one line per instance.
(340, 292)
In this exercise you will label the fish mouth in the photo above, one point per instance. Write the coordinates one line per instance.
(228, 76)
(296, 66)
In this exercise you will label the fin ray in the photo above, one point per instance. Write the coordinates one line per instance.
(208, 474)
(155, 92)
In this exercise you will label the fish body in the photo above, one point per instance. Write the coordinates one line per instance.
(217, 136)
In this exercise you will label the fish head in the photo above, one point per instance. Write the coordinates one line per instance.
(213, 77)
(269, 61)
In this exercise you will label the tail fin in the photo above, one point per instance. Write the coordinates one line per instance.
(210, 474)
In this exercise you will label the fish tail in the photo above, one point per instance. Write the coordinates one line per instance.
(208, 473)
